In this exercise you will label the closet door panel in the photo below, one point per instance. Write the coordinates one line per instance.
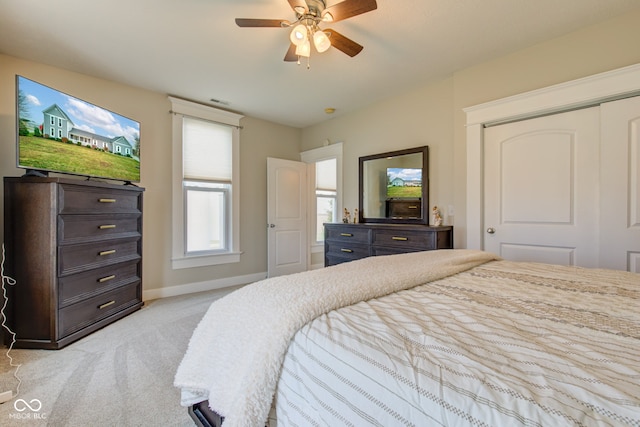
(541, 189)
(620, 185)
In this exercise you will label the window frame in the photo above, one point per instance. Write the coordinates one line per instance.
(333, 197)
(180, 259)
(225, 190)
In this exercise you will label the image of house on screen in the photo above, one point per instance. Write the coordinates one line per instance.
(58, 125)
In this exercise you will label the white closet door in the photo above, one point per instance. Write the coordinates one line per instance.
(620, 185)
(541, 189)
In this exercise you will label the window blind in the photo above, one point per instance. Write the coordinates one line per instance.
(326, 175)
(207, 149)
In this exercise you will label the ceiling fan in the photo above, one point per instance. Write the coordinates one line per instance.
(306, 27)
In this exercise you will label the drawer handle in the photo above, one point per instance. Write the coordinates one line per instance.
(103, 253)
(404, 239)
(106, 304)
(412, 207)
(346, 234)
(107, 226)
(107, 200)
(107, 278)
(346, 250)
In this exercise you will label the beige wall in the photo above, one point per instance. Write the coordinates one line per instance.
(259, 140)
(432, 114)
(423, 116)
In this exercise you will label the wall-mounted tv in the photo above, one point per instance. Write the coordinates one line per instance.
(404, 183)
(60, 133)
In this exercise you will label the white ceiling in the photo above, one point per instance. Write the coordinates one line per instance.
(193, 48)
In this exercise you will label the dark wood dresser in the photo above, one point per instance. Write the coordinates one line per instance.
(347, 242)
(75, 250)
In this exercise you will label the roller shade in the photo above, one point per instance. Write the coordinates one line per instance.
(207, 150)
(326, 175)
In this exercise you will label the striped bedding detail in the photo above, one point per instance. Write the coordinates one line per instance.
(502, 344)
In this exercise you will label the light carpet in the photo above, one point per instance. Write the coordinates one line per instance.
(121, 375)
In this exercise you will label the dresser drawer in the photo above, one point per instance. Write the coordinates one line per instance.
(390, 250)
(77, 199)
(77, 287)
(80, 228)
(89, 311)
(404, 239)
(347, 234)
(84, 257)
(347, 250)
(404, 208)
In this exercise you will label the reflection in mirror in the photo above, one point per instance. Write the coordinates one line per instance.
(394, 186)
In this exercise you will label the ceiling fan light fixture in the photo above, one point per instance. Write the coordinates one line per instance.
(304, 49)
(321, 41)
(298, 35)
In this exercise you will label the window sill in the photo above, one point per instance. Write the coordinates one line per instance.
(317, 247)
(205, 260)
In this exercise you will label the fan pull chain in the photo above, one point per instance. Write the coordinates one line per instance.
(308, 62)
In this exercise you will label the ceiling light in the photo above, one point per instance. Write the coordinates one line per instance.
(298, 34)
(321, 41)
(304, 49)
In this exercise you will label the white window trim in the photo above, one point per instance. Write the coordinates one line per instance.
(179, 260)
(332, 151)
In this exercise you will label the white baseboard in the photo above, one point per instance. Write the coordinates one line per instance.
(208, 285)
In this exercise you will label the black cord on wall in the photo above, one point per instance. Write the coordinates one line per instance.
(6, 280)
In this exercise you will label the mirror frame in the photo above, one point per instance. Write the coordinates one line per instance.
(425, 187)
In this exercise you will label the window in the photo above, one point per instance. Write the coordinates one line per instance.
(326, 184)
(326, 195)
(205, 185)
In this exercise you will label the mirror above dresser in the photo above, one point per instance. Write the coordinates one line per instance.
(394, 187)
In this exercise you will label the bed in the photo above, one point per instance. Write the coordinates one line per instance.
(448, 337)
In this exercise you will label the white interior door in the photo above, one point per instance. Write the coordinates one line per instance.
(286, 217)
(620, 185)
(541, 189)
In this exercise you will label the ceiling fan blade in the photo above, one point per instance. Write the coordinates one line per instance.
(343, 43)
(349, 8)
(249, 22)
(298, 5)
(291, 54)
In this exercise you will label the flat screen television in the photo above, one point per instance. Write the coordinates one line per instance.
(404, 183)
(57, 132)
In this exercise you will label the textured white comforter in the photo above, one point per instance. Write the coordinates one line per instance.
(235, 355)
(502, 344)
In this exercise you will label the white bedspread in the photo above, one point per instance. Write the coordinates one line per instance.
(502, 344)
(236, 352)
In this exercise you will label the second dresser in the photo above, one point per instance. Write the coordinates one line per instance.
(348, 242)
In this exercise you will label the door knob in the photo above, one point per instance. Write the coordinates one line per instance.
(271, 225)
(491, 230)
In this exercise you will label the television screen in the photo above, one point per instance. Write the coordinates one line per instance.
(60, 133)
(404, 183)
